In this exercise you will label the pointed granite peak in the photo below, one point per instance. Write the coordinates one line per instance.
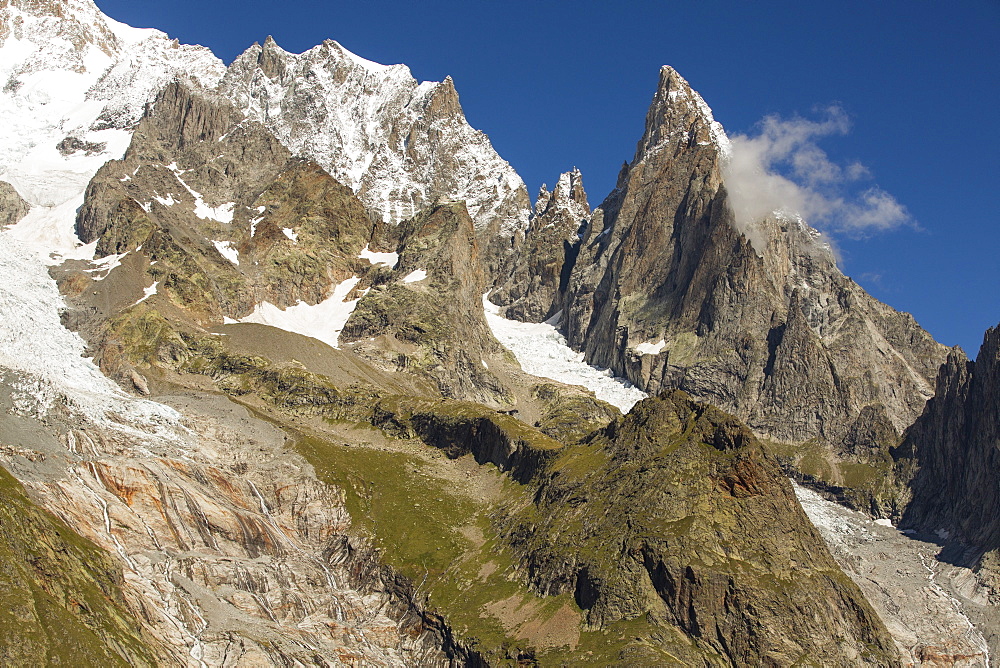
(678, 115)
(443, 100)
(568, 196)
(271, 59)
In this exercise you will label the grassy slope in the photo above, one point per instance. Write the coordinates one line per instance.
(60, 595)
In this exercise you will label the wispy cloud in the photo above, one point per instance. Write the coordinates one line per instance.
(782, 168)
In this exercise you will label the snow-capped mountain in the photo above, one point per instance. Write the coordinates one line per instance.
(399, 144)
(74, 84)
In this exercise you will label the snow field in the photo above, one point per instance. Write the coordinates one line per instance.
(323, 321)
(542, 351)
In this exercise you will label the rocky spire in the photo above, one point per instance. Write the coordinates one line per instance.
(678, 114)
(533, 278)
(668, 293)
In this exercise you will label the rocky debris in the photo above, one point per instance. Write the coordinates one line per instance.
(666, 292)
(400, 145)
(675, 515)
(62, 599)
(71, 145)
(925, 603)
(531, 288)
(12, 207)
(233, 552)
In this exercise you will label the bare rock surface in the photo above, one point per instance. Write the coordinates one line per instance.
(532, 281)
(233, 552)
(12, 207)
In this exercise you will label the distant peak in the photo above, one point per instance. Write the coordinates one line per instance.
(568, 194)
(369, 65)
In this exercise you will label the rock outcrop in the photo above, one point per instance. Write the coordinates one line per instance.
(223, 216)
(667, 292)
(427, 312)
(536, 273)
(675, 515)
(12, 207)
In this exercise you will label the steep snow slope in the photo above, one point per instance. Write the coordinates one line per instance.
(399, 144)
(75, 82)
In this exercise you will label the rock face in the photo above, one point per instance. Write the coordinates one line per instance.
(224, 215)
(428, 310)
(675, 514)
(401, 146)
(535, 278)
(12, 207)
(955, 447)
(666, 292)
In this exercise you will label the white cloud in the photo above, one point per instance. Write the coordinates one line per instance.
(782, 168)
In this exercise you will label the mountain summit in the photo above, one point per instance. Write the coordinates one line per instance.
(399, 144)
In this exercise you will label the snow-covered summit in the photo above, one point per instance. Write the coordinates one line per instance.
(74, 84)
(568, 195)
(399, 144)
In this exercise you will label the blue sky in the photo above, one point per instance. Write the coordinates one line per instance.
(563, 84)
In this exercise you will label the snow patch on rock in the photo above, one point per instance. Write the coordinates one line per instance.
(323, 321)
(542, 351)
(228, 250)
(385, 259)
(648, 348)
(148, 292)
(415, 276)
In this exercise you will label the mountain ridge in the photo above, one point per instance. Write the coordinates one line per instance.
(276, 466)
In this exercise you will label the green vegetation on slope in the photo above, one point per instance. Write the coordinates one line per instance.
(60, 595)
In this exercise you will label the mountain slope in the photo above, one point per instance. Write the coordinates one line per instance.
(674, 516)
(62, 600)
(313, 345)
